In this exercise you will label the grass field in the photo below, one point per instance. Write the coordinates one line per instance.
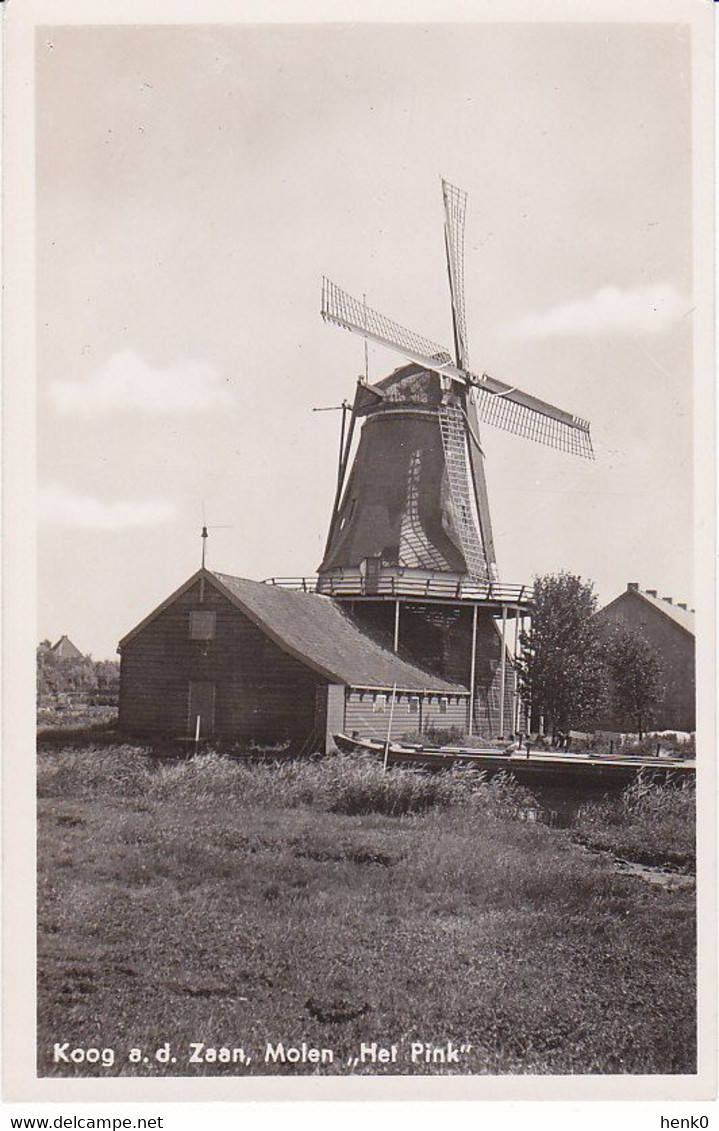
(217, 904)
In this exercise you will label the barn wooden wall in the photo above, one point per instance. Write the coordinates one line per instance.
(362, 716)
(262, 693)
(439, 638)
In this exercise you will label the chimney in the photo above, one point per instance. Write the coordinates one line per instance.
(682, 605)
(633, 586)
(651, 592)
(669, 600)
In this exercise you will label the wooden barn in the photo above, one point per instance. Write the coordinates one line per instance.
(669, 628)
(257, 663)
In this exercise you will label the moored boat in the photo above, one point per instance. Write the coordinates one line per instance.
(525, 765)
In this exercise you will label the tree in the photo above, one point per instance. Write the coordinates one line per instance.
(56, 676)
(561, 669)
(636, 675)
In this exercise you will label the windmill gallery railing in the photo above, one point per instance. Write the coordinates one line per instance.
(393, 586)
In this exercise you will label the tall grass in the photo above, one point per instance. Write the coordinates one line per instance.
(93, 771)
(200, 900)
(646, 822)
(342, 784)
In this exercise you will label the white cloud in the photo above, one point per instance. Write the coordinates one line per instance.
(645, 310)
(59, 506)
(128, 383)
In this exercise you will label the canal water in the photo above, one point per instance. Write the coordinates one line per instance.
(558, 805)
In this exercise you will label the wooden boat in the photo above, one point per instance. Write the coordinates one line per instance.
(491, 757)
(540, 766)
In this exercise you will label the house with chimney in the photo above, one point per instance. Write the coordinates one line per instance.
(669, 627)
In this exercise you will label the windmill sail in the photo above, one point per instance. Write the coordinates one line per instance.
(498, 404)
(532, 418)
(463, 453)
(455, 207)
(352, 314)
(456, 458)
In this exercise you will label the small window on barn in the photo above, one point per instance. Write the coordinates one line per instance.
(202, 625)
(379, 705)
(443, 705)
(414, 704)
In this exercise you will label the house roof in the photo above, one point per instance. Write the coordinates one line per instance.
(66, 650)
(685, 618)
(315, 630)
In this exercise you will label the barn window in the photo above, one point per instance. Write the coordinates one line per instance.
(380, 704)
(443, 705)
(414, 705)
(202, 625)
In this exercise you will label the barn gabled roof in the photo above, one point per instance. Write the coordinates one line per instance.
(317, 632)
(684, 618)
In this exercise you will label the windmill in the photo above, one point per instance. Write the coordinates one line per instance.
(415, 502)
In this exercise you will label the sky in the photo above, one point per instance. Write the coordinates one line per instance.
(195, 183)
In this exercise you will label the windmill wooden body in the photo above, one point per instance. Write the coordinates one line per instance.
(416, 497)
(410, 539)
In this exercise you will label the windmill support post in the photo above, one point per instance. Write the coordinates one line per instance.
(396, 625)
(340, 457)
(389, 728)
(503, 671)
(342, 470)
(472, 670)
(525, 704)
(515, 697)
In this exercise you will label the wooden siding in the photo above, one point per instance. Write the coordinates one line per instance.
(335, 714)
(454, 717)
(440, 638)
(262, 693)
(363, 718)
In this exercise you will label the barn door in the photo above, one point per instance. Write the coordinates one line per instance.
(372, 574)
(202, 704)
